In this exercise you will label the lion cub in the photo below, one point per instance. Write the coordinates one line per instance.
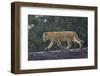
(59, 37)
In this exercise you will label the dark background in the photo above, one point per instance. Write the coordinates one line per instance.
(37, 24)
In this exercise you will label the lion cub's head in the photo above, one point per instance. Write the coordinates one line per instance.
(45, 37)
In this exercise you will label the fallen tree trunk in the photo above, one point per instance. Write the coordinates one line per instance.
(59, 54)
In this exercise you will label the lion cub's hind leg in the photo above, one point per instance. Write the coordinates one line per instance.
(69, 44)
(77, 41)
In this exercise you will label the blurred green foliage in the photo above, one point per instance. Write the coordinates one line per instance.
(37, 24)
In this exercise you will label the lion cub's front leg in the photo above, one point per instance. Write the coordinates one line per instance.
(59, 44)
(49, 46)
(69, 44)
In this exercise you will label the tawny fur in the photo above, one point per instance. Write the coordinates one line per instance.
(59, 37)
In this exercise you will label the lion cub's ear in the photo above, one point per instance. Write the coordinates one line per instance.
(45, 33)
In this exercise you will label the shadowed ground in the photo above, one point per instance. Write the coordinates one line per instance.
(59, 54)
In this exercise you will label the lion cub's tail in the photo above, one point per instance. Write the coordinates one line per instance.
(78, 38)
